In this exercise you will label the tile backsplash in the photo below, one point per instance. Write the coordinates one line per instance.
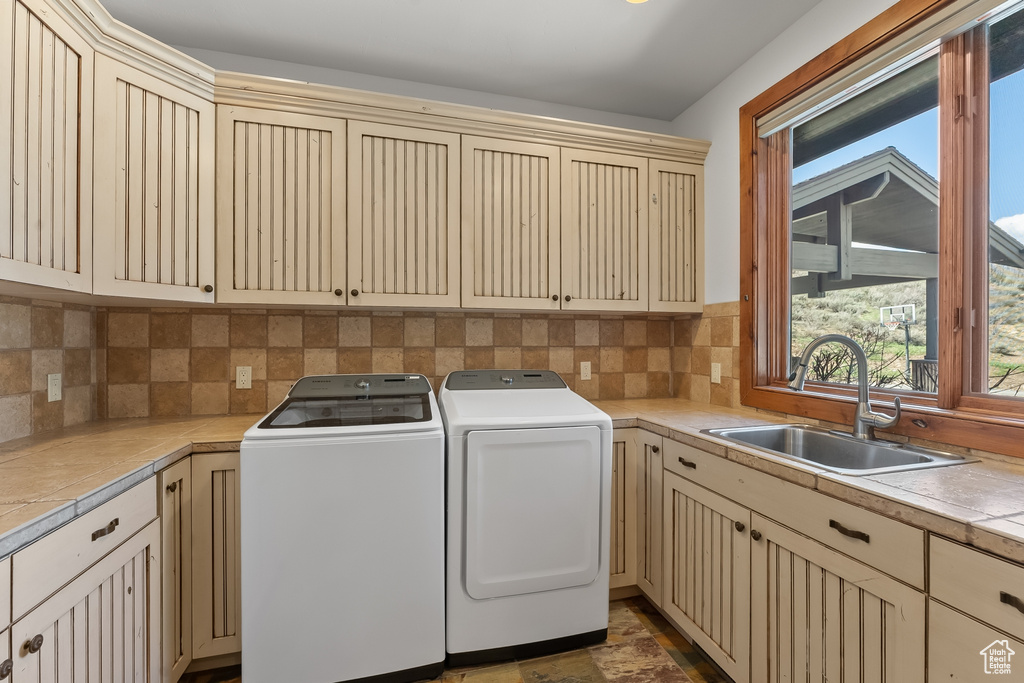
(39, 338)
(152, 362)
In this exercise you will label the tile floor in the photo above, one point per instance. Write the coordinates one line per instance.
(641, 648)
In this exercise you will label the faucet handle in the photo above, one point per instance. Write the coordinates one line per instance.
(885, 421)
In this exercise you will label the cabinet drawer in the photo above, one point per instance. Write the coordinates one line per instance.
(43, 567)
(976, 582)
(959, 647)
(5, 593)
(883, 543)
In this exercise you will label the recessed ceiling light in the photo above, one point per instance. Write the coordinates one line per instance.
(635, 2)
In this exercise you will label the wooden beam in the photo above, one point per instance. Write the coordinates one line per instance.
(906, 265)
(815, 286)
(858, 192)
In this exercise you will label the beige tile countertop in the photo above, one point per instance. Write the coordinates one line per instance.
(48, 479)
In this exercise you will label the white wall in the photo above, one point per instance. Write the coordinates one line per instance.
(715, 117)
(346, 79)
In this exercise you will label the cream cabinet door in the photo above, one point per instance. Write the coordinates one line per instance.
(649, 512)
(46, 116)
(676, 219)
(622, 558)
(6, 663)
(216, 549)
(175, 491)
(104, 621)
(280, 207)
(707, 572)
(604, 231)
(819, 614)
(154, 200)
(403, 216)
(964, 650)
(511, 255)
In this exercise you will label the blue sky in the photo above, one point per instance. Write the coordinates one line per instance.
(917, 139)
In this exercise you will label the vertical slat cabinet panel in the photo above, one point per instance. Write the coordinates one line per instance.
(403, 216)
(216, 545)
(280, 207)
(819, 615)
(46, 113)
(706, 568)
(623, 522)
(676, 219)
(175, 491)
(154, 196)
(98, 628)
(604, 231)
(649, 514)
(511, 244)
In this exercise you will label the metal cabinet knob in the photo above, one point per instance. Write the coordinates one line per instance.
(354, 292)
(740, 527)
(172, 487)
(6, 667)
(208, 288)
(339, 292)
(755, 534)
(655, 449)
(554, 297)
(568, 298)
(35, 645)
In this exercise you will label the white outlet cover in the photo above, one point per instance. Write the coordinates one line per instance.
(585, 369)
(716, 373)
(53, 387)
(243, 377)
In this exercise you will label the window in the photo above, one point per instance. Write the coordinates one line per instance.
(882, 199)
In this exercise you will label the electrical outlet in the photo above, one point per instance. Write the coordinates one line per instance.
(243, 377)
(716, 373)
(585, 369)
(53, 387)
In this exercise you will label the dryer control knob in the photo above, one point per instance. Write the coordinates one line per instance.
(363, 384)
(507, 380)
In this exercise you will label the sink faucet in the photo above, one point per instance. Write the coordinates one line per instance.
(864, 421)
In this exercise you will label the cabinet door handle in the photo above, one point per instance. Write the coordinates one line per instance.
(687, 463)
(208, 288)
(568, 298)
(100, 533)
(1012, 601)
(35, 645)
(354, 292)
(740, 527)
(6, 667)
(655, 449)
(851, 533)
(554, 297)
(339, 292)
(755, 534)
(172, 487)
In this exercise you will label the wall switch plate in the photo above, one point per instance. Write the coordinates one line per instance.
(585, 369)
(53, 387)
(243, 377)
(716, 373)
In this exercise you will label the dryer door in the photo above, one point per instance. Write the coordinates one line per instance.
(533, 510)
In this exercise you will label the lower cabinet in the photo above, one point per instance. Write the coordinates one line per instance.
(818, 613)
(216, 549)
(648, 514)
(622, 536)
(174, 489)
(97, 627)
(964, 649)
(706, 588)
(6, 663)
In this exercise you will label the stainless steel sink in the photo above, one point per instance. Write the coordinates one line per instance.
(836, 451)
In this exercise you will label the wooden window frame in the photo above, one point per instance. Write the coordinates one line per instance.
(957, 414)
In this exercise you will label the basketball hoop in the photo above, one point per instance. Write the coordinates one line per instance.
(892, 324)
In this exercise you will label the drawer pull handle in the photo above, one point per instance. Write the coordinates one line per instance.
(6, 667)
(687, 463)
(172, 487)
(851, 533)
(35, 645)
(740, 527)
(1011, 600)
(655, 449)
(755, 534)
(108, 529)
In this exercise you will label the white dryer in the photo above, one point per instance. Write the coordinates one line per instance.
(529, 482)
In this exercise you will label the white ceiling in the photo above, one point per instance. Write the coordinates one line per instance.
(651, 60)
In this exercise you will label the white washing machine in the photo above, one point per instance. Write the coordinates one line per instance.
(529, 482)
(342, 497)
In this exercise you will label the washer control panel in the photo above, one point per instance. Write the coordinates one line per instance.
(503, 379)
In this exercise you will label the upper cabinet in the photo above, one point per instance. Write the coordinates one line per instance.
(511, 237)
(403, 216)
(280, 207)
(46, 114)
(604, 231)
(154, 212)
(676, 221)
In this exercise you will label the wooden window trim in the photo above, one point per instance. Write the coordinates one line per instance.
(955, 415)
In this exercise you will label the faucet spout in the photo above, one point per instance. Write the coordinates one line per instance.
(864, 421)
